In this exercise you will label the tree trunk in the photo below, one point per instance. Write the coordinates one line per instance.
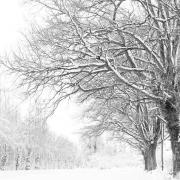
(17, 159)
(28, 161)
(150, 157)
(171, 114)
(176, 157)
(175, 146)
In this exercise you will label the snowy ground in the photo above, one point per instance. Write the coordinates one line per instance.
(81, 174)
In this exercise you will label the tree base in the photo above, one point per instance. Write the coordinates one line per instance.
(176, 159)
(150, 158)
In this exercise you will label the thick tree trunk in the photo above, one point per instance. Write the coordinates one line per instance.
(150, 157)
(176, 157)
(175, 146)
(171, 114)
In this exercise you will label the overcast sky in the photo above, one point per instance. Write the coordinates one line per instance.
(11, 21)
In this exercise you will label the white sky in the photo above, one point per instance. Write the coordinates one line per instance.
(13, 20)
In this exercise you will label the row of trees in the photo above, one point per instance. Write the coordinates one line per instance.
(102, 50)
(26, 142)
(136, 125)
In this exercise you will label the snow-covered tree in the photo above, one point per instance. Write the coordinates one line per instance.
(96, 46)
(134, 123)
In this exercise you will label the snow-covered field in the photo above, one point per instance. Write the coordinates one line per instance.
(82, 174)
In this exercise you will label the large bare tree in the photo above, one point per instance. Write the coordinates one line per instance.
(136, 123)
(92, 47)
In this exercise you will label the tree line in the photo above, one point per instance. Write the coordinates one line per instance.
(26, 143)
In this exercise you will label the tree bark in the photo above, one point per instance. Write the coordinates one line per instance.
(175, 146)
(176, 157)
(150, 157)
(171, 114)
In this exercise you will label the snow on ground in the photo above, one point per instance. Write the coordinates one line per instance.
(90, 174)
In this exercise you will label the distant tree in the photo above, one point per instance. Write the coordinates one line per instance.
(41, 148)
(9, 119)
(17, 160)
(90, 143)
(28, 159)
